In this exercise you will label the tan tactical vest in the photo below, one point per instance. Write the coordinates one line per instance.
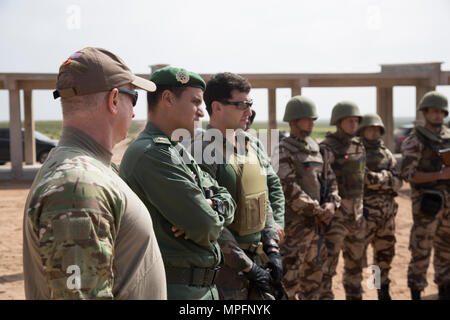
(431, 161)
(308, 164)
(250, 215)
(349, 163)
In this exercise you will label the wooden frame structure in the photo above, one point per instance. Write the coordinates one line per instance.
(424, 76)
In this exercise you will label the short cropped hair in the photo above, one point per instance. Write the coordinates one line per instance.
(220, 86)
(154, 97)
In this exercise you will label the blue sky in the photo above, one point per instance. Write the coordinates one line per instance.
(238, 36)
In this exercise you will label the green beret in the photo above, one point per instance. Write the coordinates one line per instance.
(177, 77)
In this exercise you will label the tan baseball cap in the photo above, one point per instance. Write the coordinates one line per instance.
(92, 70)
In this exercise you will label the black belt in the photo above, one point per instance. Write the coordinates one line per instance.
(193, 276)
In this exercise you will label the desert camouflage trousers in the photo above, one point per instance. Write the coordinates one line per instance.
(380, 212)
(347, 232)
(429, 232)
(302, 270)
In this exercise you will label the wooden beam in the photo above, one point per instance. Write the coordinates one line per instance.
(30, 144)
(15, 134)
(385, 111)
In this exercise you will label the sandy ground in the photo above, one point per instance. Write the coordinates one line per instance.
(12, 200)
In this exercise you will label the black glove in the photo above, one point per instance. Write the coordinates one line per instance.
(275, 266)
(259, 277)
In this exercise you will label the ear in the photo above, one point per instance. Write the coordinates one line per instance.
(113, 101)
(168, 98)
(216, 107)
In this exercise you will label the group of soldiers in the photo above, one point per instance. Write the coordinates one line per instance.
(207, 214)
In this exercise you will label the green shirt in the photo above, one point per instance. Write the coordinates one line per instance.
(174, 192)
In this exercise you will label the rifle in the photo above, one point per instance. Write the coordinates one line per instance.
(323, 195)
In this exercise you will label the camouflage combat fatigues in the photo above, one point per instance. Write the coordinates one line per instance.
(420, 154)
(174, 188)
(347, 229)
(86, 234)
(382, 181)
(301, 168)
(231, 282)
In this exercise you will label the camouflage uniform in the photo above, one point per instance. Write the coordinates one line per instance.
(82, 219)
(382, 181)
(231, 282)
(420, 154)
(300, 170)
(347, 230)
(173, 187)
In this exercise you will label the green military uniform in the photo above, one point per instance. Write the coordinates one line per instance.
(173, 187)
(235, 244)
(86, 235)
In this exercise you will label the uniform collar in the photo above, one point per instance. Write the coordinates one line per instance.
(72, 137)
(154, 130)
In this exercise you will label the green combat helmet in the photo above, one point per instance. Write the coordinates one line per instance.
(371, 120)
(344, 109)
(300, 107)
(434, 99)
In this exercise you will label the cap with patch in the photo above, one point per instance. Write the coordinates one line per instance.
(92, 70)
(177, 77)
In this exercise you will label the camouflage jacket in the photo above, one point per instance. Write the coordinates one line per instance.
(173, 187)
(382, 172)
(420, 154)
(229, 241)
(348, 159)
(301, 172)
(86, 234)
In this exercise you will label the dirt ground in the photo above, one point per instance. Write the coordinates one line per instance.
(12, 200)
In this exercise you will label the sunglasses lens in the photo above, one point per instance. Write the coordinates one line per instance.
(244, 105)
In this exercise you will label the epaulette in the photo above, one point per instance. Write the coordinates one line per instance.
(161, 140)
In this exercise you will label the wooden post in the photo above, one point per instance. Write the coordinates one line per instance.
(296, 91)
(420, 92)
(272, 99)
(15, 133)
(30, 144)
(385, 111)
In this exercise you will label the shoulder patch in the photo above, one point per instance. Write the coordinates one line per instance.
(161, 140)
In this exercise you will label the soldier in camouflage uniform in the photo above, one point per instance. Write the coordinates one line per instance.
(239, 164)
(347, 232)
(303, 172)
(188, 207)
(430, 194)
(381, 183)
(86, 235)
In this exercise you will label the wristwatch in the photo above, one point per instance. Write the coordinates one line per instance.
(218, 205)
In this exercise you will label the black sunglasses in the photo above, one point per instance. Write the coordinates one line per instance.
(241, 105)
(132, 93)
